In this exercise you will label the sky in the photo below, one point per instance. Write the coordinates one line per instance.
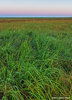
(22, 8)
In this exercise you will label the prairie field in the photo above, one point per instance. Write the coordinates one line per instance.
(35, 58)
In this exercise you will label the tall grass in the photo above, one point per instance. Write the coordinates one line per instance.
(35, 65)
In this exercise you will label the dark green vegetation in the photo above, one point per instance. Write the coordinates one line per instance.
(35, 59)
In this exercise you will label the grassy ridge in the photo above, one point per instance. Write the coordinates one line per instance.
(35, 60)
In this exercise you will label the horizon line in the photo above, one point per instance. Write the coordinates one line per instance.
(36, 16)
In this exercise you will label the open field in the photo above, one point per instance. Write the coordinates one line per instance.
(35, 58)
